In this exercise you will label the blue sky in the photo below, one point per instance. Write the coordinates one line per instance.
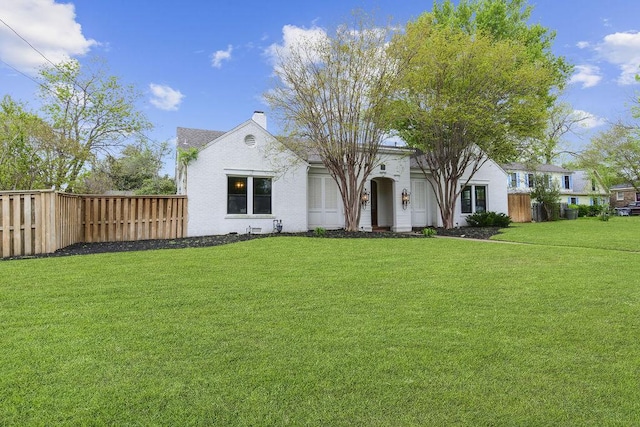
(205, 64)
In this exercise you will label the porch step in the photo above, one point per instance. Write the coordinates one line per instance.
(380, 229)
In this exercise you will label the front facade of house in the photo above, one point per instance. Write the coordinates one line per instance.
(576, 186)
(246, 181)
(624, 195)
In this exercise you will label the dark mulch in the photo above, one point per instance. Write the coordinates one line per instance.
(204, 241)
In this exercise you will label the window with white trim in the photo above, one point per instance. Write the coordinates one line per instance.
(513, 180)
(248, 195)
(531, 182)
(619, 195)
(473, 199)
(566, 182)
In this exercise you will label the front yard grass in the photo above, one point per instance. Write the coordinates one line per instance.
(619, 233)
(303, 331)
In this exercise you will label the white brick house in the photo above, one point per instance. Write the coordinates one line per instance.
(245, 180)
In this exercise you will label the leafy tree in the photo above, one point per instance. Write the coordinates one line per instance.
(136, 169)
(546, 192)
(184, 158)
(475, 81)
(329, 92)
(471, 100)
(91, 113)
(615, 154)
(157, 185)
(21, 135)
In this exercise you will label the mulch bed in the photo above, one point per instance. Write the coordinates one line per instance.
(205, 241)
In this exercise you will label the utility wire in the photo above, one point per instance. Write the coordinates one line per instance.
(75, 83)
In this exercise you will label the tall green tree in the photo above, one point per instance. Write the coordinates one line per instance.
(476, 80)
(330, 92)
(615, 154)
(22, 133)
(91, 113)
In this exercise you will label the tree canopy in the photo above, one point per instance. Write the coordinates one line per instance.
(476, 80)
(22, 133)
(90, 113)
(615, 154)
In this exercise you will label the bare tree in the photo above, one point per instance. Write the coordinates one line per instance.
(328, 92)
(563, 120)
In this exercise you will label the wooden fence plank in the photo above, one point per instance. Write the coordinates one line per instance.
(6, 226)
(28, 224)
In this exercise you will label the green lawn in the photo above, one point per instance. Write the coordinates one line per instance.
(621, 233)
(311, 331)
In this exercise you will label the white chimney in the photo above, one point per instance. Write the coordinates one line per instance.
(260, 118)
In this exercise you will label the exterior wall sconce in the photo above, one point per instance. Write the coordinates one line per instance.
(406, 198)
(364, 199)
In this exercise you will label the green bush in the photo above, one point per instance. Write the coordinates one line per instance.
(320, 231)
(429, 232)
(586, 210)
(488, 219)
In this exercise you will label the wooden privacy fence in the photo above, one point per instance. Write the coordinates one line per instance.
(36, 222)
(519, 206)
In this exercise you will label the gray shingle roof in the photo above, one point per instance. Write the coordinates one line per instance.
(196, 138)
(515, 166)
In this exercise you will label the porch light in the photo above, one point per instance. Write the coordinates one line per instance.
(406, 198)
(364, 198)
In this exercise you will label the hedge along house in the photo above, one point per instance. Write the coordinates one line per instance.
(247, 181)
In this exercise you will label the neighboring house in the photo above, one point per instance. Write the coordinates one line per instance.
(624, 195)
(246, 180)
(576, 186)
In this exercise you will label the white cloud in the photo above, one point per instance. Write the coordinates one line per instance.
(164, 97)
(292, 38)
(588, 75)
(221, 55)
(48, 26)
(622, 50)
(588, 120)
(583, 45)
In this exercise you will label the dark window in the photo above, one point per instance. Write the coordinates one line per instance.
(237, 195)
(481, 198)
(532, 182)
(567, 182)
(261, 195)
(466, 200)
(476, 204)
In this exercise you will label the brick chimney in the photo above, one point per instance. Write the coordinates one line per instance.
(260, 118)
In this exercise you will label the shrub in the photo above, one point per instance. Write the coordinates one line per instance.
(489, 219)
(320, 231)
(429, 232)
(586, 210)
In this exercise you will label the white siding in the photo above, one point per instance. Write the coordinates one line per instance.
(230, 155)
